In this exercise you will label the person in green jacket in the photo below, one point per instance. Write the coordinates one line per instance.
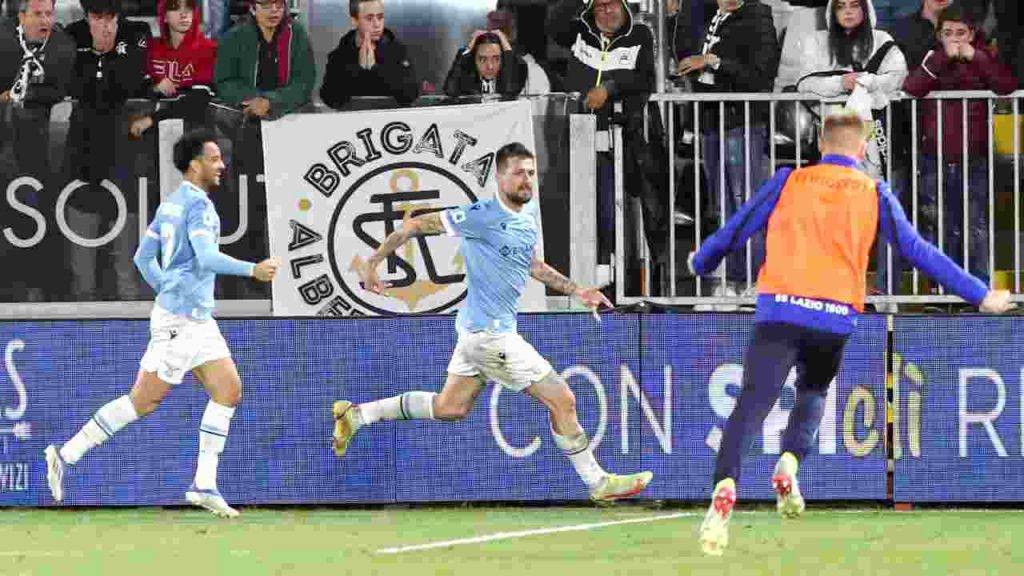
(265, 63)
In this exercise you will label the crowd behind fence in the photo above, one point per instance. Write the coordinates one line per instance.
(943, 195)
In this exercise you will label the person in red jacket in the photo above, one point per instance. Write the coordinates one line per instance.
(180, 63)
(959, 61)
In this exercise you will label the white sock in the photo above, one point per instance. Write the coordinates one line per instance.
(577, 449)
(213, 434)
(106, 422)
(408, 406)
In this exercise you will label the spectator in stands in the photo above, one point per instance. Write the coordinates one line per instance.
(853, 58)
(739, 52)
(486, 66)
(36, 59)
(538, 79)
(109, 69)
(605, 31)
(180, 64)
(915, 34)
(369, 61)
(265, 63)
(805, 18)
(958, 62)
(612, 65)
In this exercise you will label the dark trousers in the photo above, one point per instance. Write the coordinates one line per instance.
(774, 349)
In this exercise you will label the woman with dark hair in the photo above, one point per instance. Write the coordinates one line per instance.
(852, 57)
(487, 66)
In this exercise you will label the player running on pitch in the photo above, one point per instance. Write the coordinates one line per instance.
(179, 258)
(822, 222)
(499, 236)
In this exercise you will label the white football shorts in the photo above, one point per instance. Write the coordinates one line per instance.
(177, 344)
(504, 357)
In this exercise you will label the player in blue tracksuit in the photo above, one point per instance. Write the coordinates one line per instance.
(498, 240)
(180, 259)
(821, 223)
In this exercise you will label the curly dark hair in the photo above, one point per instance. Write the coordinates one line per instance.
(190, 147)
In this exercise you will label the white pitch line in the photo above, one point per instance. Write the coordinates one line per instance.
(535, 532)
(37, 554)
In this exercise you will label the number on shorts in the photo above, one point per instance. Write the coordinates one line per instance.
(166, 244)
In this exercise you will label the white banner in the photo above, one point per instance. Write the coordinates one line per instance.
(337, 184)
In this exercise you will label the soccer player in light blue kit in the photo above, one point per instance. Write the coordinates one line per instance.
(180, 259)
(499, 236)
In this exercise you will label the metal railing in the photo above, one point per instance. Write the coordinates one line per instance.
(910, 166)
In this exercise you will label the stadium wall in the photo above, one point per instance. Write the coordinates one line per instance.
(654, 392)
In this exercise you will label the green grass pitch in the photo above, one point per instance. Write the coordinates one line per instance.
(151, 542)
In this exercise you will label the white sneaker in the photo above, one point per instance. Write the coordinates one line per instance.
(788, 501)
(54, 472)
(211, 500)
(714, 531)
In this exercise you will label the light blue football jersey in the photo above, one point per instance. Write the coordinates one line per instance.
(497, 245)
(179, 256)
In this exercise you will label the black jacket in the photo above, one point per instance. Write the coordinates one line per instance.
(392, 76)
(57, 57)
(103, 82)
(914, 36)
(748, 49)
(630, 52)
(463, 79)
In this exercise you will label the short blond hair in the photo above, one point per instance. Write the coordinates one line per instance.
(844, 126)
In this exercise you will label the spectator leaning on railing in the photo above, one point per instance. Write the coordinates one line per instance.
(853, 58)
(369, 61)
(180, 64)
(958, 62)
(35, 69)
(739, 52)
(486, 66)
(109, 69)
(265, 63)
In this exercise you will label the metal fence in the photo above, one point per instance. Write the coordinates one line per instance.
(959, 184)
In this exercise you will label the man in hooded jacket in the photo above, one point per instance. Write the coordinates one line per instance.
(612, 67)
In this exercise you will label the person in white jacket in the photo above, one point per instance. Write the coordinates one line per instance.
(852, 57)
(839, 61)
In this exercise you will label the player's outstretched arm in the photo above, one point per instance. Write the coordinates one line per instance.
(422, 225)
(923, 255)
(545, 274)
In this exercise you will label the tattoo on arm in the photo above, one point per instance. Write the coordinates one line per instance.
(422, 225)
(552, 278)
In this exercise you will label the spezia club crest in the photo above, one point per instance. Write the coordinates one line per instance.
(338, 184)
